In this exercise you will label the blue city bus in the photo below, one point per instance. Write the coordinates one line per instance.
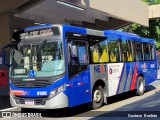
(58, 66)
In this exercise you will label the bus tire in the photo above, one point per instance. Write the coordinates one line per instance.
(97, 97)
(140, 86)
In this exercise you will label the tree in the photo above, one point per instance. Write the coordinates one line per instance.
(153, 31)
(152, 2)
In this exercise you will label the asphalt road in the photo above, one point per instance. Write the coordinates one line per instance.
(118, 107)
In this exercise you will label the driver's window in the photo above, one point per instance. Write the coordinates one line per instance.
(77, 57)
(77, 53)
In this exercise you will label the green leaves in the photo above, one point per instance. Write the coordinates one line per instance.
(152, 2)
(153, 31)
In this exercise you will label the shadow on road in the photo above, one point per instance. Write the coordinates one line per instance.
(4, 102)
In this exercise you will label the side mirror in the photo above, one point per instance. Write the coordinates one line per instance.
(17, 56)
(6, 55)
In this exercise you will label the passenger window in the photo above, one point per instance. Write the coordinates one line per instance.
(146, 52)
(152, 51)
(137, 51)
(126, 50)
(104, 52)
(98, 50)
(113, 49)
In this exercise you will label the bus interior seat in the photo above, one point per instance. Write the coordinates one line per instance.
(95, 56)
(104, 57)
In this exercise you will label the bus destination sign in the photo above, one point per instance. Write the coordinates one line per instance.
(37, 33)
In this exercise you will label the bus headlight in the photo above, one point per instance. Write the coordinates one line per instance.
(56, 91)
(11, 93)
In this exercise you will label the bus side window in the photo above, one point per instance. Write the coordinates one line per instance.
(99, 53)
(95, 56)
(126, 50)
(104, 52)
(146, 52)
(98, 49)
(114, 53)
(152, 51)
(137, 51)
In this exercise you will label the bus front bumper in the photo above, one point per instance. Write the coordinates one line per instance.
(59, 101)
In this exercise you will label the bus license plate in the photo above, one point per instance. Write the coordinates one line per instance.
(29, 102)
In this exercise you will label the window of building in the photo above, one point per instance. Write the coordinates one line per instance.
(126, 50)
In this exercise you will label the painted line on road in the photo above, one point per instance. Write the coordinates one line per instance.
(9, 109)
(116, 105)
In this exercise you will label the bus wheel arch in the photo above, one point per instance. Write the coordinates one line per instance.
(98, 94)
(140, 85)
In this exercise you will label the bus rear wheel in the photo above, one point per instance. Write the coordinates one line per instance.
(140, 86)
(97, 97)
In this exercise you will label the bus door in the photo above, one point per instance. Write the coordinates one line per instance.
(78, 71)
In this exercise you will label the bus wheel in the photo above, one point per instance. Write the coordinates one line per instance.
(140, 86)
(97, 97)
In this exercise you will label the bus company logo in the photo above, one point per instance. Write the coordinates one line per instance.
(25, 92)
(100, 68)
(110, 71)
(152, 66)
(144, 66)
(113, 70)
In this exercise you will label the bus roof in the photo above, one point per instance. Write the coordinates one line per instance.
(38, 26)
(126, 35)
(116, 32)
(81, 30)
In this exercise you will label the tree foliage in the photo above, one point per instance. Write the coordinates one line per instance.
(153, 31)
(152, 2)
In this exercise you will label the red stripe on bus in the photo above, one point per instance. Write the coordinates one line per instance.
(134, 77)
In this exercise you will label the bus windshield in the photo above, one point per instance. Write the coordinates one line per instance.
(43, 56)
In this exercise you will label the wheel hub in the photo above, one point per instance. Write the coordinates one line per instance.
(97, 96)
(141, 86)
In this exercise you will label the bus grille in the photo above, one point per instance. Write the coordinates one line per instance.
(36, 101)
(31, 84)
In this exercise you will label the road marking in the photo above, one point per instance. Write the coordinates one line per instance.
(9, 109)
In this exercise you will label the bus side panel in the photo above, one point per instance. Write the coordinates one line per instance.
(116, 77)
(149, 71)
(111, 74)
(129, 74)
(99, 72)
(151, 67)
